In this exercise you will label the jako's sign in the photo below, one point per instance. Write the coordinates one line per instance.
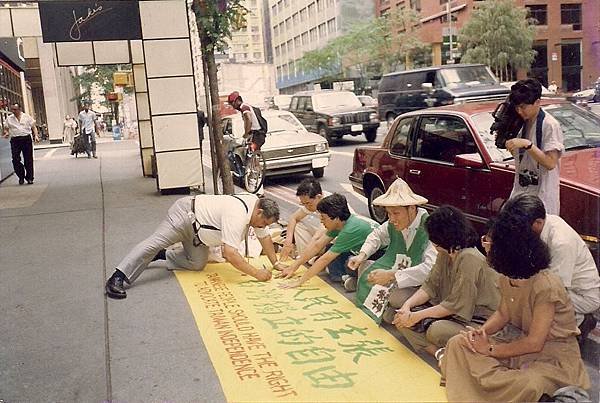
(78, 21)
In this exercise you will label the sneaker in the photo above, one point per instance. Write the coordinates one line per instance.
(30, 181)
(349, 283)
(114, 288)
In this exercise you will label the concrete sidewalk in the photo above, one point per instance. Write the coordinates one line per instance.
(60, 338)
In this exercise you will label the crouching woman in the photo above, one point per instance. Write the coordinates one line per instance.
(535, 351)
(459, 291)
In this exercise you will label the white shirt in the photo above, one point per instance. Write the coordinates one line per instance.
(548, 181)
(229, 216)
(571, 260)
(412, 276)
(87, 120)
(19, 127)
(245, 108)
(312, 219)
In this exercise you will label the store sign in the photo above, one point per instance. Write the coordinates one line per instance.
(78, 21)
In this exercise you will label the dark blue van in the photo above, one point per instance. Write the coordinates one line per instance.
(409, 90)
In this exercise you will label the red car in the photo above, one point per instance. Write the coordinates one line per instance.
(448, 155)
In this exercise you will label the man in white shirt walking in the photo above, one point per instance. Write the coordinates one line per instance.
(201, 222)
(88, 122)
(19, 127)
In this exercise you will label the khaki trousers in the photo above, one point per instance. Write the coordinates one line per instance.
(437, 334)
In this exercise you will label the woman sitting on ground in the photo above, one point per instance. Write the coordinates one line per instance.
(460, 290)
(535, 351)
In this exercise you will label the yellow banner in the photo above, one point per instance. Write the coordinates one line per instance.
(308, 344)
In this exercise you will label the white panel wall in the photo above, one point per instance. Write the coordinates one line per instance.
(111, 52)
(173, 132)
(5, 24)
(137, 52)
(175, 55)
(26, 22)
(172, 95)
(164, 19)
(179, 169)
(75, 53)
(145, 128)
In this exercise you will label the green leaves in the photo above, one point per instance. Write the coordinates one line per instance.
(217, 19)
(500, 35)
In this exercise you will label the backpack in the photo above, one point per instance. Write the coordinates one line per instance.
(264, 127)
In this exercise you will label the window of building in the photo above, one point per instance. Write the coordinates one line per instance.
(539, 13)
(303, 15)
(305, 38)
(331, 26)
(276, 30)
(255, 38)
(320, 5)
(288, 24)
(415, 5)
(286, 3)
(274, 10)
(257, 55)
(330, 3)
(311, 10)
(277, 51)
(313, 35)
(295, 19)
(253, 3)
(297, 42)
(322, 31)
(571, 14)
(279, 72)
(254, 28)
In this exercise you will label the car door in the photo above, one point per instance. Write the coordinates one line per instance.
(301, 112)
(433, 170)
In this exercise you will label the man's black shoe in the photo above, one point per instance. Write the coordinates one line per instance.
(588, 324)
(161, 255)
(114, 288)
(30, 181)
(21, 181)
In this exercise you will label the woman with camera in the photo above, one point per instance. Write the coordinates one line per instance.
(533, 351)
(459, 291)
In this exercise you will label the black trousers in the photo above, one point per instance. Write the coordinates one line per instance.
(24, 145)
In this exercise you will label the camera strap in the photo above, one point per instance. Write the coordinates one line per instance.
(539, 122)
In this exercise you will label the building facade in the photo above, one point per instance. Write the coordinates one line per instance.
(248, 45)
(567, 39)
(299, 26)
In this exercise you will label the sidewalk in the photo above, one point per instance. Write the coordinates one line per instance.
(61, 339)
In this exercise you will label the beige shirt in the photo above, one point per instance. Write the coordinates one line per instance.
(466, 286)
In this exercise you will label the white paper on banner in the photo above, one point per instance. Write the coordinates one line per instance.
(377, 300)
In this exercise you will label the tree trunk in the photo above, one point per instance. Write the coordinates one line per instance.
(208, 57)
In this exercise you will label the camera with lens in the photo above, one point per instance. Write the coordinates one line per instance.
(528, 178)
(507, 122)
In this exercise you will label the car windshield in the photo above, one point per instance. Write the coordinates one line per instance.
(336, 99)
(581, 129)
(284, 122)
(467, 76)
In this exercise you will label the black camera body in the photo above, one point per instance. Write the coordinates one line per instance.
(507, 122)
(528, 178)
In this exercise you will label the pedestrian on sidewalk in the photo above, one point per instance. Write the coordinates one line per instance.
(88, 123)
(201, 222)
(19, 127)
(69, 128)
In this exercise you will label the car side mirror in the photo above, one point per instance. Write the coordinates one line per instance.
(470, 161)
(428, 87)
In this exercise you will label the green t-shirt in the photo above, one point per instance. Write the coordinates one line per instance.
(353, 235)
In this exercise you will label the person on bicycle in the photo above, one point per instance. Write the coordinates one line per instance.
(252, 129)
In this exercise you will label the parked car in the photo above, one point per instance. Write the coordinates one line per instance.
(449, 156)
(545, 91)
(289, 148)
(367, 100)
(334, 114)
(410, 90)
(282, 102)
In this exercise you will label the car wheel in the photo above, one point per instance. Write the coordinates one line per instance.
(377, 213)
(390, 118)
(371, 135)
(318, 172)
(323, 133)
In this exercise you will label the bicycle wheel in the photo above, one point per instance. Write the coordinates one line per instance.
(254, 174)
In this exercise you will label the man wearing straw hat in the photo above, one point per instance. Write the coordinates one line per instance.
(393, 278)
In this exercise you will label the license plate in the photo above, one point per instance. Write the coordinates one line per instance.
(320, 162)
(356, 128)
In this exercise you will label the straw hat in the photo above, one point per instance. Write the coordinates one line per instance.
(399, 194)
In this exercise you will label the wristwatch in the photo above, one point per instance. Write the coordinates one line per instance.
(529, 146)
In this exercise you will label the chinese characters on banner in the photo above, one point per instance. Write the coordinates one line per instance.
(303, 344)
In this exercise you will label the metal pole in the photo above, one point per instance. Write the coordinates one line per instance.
(449, 15)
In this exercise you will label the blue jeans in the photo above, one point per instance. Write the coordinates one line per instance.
(337, 268)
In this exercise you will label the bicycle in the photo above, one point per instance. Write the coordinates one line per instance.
(249, 173)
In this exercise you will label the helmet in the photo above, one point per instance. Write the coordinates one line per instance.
(233, 96)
